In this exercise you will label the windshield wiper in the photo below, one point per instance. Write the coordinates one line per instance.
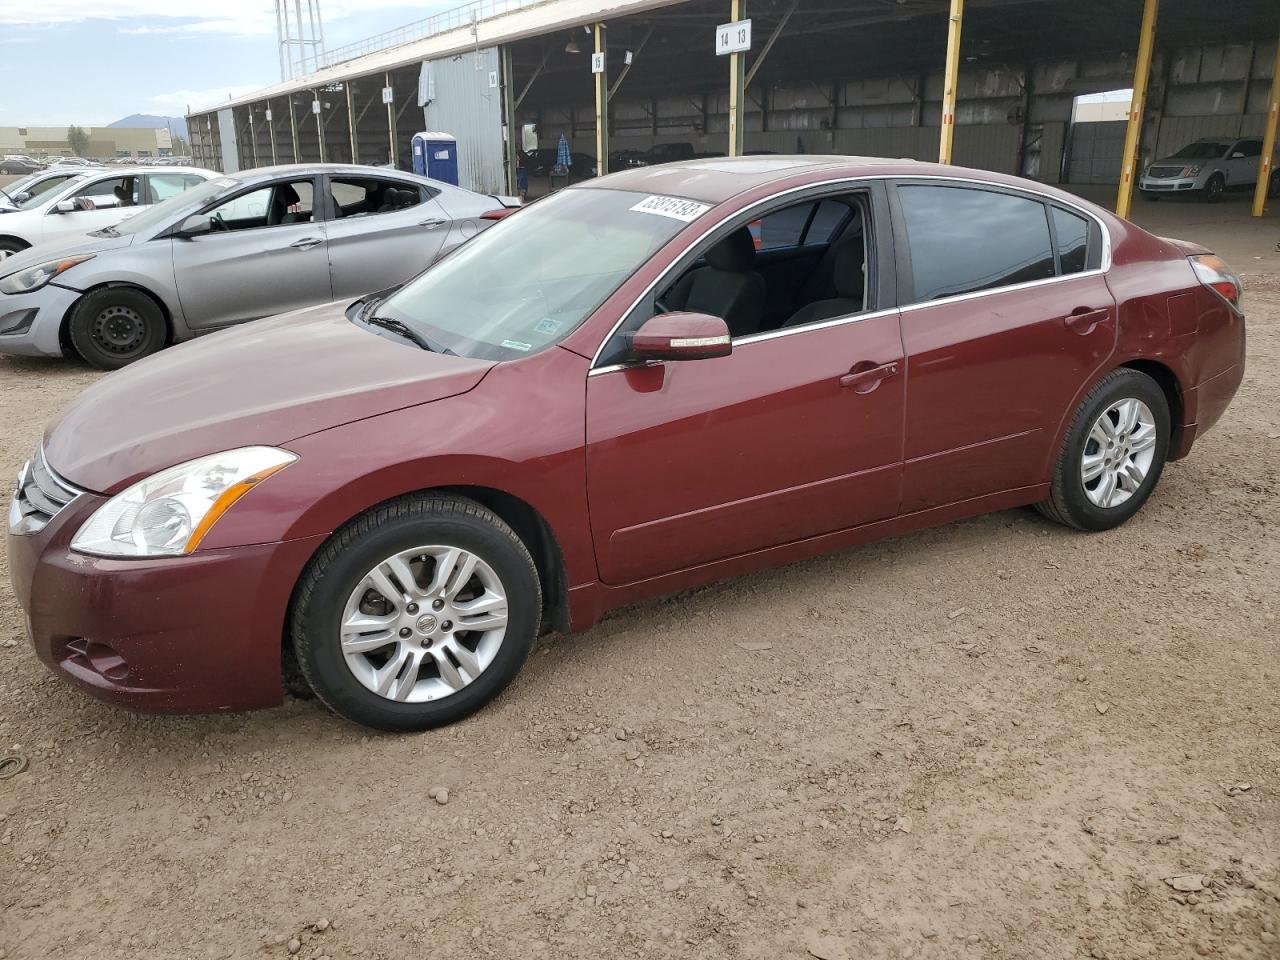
(402, 329)
(106, 232)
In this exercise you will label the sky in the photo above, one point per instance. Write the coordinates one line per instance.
(94, 61)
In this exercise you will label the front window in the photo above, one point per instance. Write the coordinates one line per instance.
(105, 194)
(166, 211)
(530, 280)
(1201, 151)
(40, 189)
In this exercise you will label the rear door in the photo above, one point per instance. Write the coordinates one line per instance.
(1002, 327)
(382, 231)
(265, 256)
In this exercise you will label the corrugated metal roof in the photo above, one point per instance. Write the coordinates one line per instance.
(526, 22)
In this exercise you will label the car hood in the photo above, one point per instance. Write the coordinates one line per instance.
(1181, 162)
(58, 248)
(266, 382)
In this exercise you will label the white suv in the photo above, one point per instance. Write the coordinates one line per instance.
(87, 203)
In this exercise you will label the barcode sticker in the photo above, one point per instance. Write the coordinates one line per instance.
(673, 207)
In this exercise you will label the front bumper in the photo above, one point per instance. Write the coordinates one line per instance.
(31, 323)
(1175, 185)
(193, 634)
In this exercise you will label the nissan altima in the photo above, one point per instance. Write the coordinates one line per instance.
(637, 385)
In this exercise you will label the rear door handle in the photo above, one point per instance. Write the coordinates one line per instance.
(433, 223)
(1082, 320)
(306, 243)
(863, 379)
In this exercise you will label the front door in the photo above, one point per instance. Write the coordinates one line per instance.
(265, 255)
(693, 462)
(382, 233)
(1006, 317)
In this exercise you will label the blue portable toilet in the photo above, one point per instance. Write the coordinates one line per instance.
(435, 155)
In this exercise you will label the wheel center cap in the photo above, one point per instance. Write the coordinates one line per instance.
(426, 623)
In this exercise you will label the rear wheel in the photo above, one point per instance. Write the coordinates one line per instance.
(115, 326)
(417, 614)
(1273, 187)
(1113, 455)
(1214, 189)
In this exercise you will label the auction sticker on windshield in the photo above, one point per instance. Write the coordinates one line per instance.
(673, 207)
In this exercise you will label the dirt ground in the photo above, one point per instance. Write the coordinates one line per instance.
(997, 739)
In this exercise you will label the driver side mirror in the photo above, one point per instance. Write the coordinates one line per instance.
(1238, 155)
(65, 206)
(681, 336)
(22, 198)
(194, 226)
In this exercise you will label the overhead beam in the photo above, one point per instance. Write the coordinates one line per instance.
(950, 81)
(768, 44)
(1138, 108)
(532, 77)
(626, 67)
(1268, 140)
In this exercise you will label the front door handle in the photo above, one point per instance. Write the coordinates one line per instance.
(433, 223)
(306, 243)
(1082, 320)
(864, 378)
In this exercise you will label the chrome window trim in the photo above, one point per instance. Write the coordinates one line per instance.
(773, 334)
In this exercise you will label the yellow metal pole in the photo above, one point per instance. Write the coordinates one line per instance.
(950, 81)
(737, 85)
(1137, 109)
(602, 105)
(1268, 140)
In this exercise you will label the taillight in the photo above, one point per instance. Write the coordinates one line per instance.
(1218, 277)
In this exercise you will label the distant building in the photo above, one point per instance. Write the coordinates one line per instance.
(105, 143)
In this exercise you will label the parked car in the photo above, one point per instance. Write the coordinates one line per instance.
(540, 163)
(18, 165)
(27, 190)
(1208, 168)
(234, 249)
(88, 201)
(398, 486)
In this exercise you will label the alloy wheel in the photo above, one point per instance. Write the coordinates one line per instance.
(1118, 453)
(424, 623)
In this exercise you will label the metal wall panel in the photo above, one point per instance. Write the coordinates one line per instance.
(468, 105)
(229, 154)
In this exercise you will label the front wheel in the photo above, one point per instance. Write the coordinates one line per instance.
(1214, 189)
(416, 614)
(9, 247)
(112, 327)
(1273, 186)
(1113, 455)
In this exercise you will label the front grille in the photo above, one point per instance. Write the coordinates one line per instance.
(41, 496)
(1164, 173)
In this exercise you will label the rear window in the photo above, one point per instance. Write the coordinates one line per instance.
(964, 240)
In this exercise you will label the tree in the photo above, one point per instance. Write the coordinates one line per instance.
(77, 140)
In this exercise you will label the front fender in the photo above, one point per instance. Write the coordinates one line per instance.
(520, 432)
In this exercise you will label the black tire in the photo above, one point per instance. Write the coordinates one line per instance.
(1273, 186)
(1068, 501)
(115, 326)
(1153, 197)
(341, 564)
(1214, 189)
(9, 246)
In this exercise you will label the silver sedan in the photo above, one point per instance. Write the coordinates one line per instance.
(237, 248)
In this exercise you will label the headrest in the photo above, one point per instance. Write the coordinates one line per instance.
(286, 195)
(848, 277)
(736, 253)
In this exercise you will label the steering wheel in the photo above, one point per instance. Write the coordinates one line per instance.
(660, 305)
(217, 223)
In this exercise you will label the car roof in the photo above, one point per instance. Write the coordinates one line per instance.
(716, 179)
(310, 169)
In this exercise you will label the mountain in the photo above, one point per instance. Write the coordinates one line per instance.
(151, 122)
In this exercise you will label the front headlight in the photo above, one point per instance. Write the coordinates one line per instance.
(168, 514)
(33, 278)
(1191, 171)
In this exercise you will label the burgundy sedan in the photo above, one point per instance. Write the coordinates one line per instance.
(640, 384)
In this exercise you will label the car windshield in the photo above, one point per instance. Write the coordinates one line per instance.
(1201, 151)
(528, 281)
(163, 213)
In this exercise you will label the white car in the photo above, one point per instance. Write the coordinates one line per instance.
(93, 201)
(27, 190)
